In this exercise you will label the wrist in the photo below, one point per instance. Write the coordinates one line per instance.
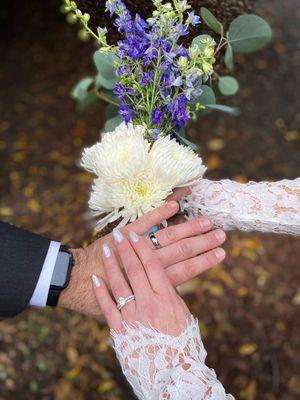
(67, 298)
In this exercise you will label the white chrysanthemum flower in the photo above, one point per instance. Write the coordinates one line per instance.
(121, 154)
(175, 163)
(133, 178)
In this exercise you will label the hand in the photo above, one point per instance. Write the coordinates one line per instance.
(156, 302)
(188, 250)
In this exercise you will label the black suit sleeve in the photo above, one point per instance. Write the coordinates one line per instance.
(22, 256)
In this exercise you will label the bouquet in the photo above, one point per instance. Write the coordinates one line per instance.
(158, 85)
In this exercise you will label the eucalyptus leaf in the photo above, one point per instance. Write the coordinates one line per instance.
(105, 64)
(186, 142)
(105, 83)
(111, 111)
(112, 123)
(201, 41)
(88, 101)
(110, 96)
(207, 97)
(249, 33)
(229, 57)
(234, 111)
(211, 21)
(228, 85)
(80, 90)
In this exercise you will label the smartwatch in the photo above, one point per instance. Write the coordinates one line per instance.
(61, 275)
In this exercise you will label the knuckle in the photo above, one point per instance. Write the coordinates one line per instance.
(189, 270)
(184, 248)
(151, 265)
(171, 235)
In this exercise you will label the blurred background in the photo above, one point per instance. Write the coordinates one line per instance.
(248, 307)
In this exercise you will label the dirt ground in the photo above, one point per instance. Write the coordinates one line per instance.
(248, 307)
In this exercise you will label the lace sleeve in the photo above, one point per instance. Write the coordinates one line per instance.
(163, 367)
(262, 206)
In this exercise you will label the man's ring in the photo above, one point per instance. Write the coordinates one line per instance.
(122, 301)
(154, 240)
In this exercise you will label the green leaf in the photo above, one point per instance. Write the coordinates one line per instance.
(88, 101)
(186, 142)
(234, 111)
(248, 33)
(211, 21)
(80, 90)
(207, 97)
(229, 57)
(105, 83)
(105, 64)
(201, 41)
(112, 123)
(110, 96)
(111, 111)
(228, 85)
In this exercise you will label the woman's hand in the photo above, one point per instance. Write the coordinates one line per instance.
(156, 302)
(188, 249)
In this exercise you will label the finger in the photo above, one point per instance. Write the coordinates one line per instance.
(106, 303)
(175, 233)
(135, 272)
(115, 278)
(179, 193)
(186, 270)
(154, 270)
(155, 217)
(190, 247)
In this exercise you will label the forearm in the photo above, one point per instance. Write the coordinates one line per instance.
(261, 206)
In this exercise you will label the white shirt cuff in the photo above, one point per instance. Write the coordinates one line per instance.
(40, 294)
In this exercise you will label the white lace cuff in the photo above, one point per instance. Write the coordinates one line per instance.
(260, 206)
(159, 366)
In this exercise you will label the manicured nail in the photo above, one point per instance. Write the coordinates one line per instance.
(172, 205)
(96, 280)
(117, 235)
(106, 251)
(220, 235)
(205, 223)
(220, 254)
(133, 236)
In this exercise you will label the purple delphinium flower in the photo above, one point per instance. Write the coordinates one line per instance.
(147, 78)
(194, 19)
(126, 112)
(157, 116)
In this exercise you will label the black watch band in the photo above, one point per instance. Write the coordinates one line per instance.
(61, 275)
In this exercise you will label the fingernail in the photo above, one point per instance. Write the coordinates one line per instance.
(133, 236)
(220, 254)
(172, 205)
(117, 235)
(96, 280)
(205, 223)
(106, 251)
(220, 235)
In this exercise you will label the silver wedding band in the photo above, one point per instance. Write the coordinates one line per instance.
(122, 301)
(154, 240)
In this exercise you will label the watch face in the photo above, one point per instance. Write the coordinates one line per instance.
(60, 272)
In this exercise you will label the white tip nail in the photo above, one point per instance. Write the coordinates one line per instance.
(96, 280)
(117, 235)
(133, 236)
(106, 251)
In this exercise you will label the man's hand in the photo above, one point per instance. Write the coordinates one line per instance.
(188, 249)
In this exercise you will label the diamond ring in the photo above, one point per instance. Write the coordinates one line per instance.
(122, 301)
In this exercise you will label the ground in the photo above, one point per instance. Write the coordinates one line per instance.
(248, 307)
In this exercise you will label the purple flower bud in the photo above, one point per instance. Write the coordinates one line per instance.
(194, 19)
